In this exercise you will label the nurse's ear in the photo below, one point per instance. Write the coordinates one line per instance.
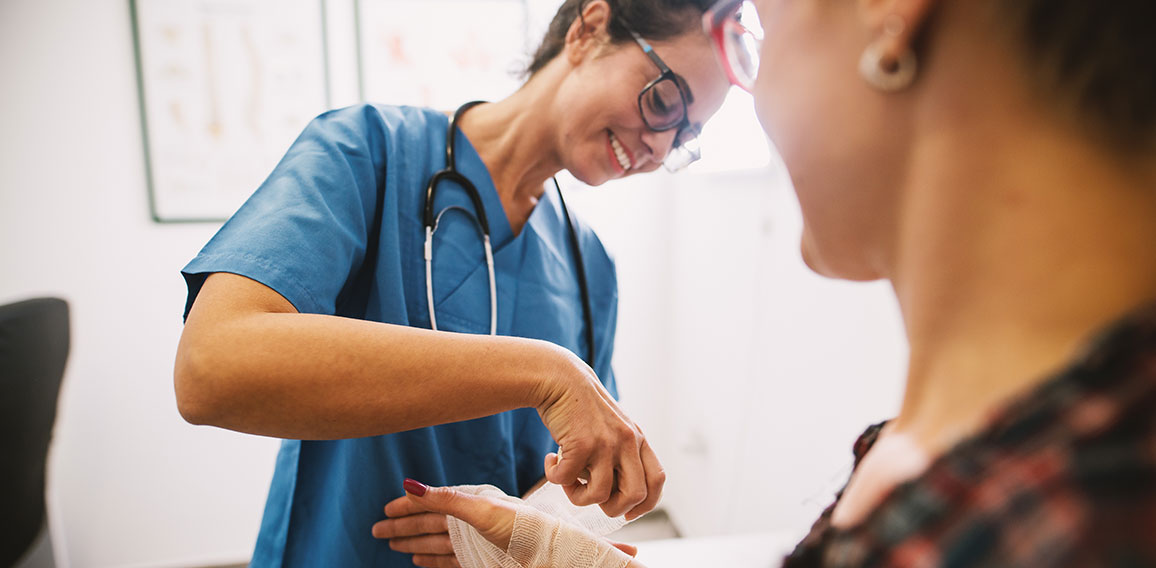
(892, 26)
(587, 33)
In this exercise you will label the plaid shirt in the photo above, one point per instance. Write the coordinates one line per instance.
(1063, 477)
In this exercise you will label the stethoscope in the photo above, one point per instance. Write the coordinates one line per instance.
(450, 173)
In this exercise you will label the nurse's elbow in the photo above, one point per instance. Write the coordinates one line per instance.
(198, 400)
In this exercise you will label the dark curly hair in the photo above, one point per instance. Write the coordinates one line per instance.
(652, 19)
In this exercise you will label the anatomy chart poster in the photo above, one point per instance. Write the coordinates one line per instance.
(226, 87)
(441, 53)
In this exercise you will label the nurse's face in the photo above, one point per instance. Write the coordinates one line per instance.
(602, 132)
(842, 141)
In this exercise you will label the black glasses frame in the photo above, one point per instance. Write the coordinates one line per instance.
(683, 124)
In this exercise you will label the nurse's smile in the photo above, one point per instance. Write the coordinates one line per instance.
(621, 158)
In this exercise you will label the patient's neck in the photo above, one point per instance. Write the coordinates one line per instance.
(1016, 246)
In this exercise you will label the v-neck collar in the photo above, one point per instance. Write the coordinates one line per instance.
(473, 168)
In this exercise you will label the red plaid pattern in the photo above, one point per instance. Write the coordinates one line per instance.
(1063, 477)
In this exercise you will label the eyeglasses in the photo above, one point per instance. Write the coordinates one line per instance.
(736, 34)
(663, 104)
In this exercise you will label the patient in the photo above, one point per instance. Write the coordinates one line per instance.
(995, 160)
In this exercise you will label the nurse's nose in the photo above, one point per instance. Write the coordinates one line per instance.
(658, 144)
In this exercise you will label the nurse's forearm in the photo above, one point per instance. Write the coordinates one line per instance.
(289, 375)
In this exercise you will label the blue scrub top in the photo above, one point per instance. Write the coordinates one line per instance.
(303, 233)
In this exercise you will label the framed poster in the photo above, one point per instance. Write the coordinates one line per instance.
(225, 88)
(440, 53)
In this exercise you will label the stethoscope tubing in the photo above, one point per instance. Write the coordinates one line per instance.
(429, 231)
(450, 173)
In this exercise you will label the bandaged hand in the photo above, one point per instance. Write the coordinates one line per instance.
(489, 528)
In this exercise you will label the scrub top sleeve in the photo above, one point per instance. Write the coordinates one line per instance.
(304, 231)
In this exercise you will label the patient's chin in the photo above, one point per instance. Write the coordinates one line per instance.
(831, 264)
(813, 256)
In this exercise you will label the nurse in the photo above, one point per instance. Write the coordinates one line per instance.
(311, 313)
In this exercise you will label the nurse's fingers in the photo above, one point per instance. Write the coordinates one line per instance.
(551, 462)
(411, 525)
(567, 466)
(630, 489)
(597, 490)
(629, 549)
(655, 480)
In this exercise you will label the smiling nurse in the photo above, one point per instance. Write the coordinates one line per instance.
(310, 314)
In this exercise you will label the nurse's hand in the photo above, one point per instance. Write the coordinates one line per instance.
(600, 445)
(412, 529)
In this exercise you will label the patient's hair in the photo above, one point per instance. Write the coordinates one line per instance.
(652, 19)
(1096, 58)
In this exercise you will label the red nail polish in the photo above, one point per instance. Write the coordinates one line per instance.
(416, 487)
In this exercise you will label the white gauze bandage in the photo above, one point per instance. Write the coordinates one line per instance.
(551, 531)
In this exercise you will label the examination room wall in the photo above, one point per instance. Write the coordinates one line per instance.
(746, 371)
(130, 483)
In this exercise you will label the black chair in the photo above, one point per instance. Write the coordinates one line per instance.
(34, 341)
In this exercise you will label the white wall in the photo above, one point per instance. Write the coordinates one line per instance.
(751, 375)
(131, 483)
(780, 369)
